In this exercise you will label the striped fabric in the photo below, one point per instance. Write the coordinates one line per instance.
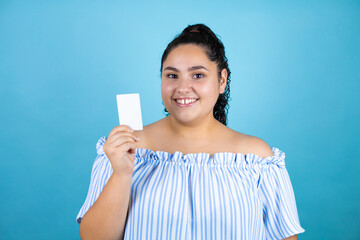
(198, 196)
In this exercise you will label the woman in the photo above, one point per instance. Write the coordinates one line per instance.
(189, 176)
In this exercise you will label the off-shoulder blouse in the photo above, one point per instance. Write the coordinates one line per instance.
(199, 196)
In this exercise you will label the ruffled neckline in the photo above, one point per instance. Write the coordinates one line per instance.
(220, 158)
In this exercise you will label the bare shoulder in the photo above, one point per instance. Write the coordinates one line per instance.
(147, 134)
(259, 147)
(142, 134)
(251, 144)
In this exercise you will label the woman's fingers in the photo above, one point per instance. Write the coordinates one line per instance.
(122, 140)
(120, 128)
(114, 146)
(121, 135)
(120, 148)
(128, 147)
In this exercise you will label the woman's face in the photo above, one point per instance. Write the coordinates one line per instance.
(190, 85)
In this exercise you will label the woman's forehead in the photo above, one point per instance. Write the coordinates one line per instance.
(186, 48)
(187, 56)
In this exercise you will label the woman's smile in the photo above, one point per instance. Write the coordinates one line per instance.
(186, 102)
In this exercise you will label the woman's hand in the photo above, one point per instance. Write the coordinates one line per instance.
(120, 149)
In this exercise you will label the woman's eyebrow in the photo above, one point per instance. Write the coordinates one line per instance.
(197, 67)
(189, 69)
(171, 68)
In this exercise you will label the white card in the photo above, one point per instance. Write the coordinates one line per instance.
(129, 110)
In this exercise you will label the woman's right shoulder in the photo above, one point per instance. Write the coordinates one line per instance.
(148, 134)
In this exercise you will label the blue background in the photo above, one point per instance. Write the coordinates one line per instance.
(295, 84)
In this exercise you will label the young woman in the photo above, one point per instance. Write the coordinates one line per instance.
(189, 176)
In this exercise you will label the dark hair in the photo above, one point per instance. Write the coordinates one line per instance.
(201, 35)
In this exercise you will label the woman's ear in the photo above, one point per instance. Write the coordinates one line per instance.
(223, 81)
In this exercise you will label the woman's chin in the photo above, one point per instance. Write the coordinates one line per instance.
(185, 118)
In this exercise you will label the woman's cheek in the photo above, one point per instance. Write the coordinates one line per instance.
(205, 89)
(167, 91)
(167, 88)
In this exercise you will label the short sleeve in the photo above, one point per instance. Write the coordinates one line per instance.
(279, 207)
(100, 174)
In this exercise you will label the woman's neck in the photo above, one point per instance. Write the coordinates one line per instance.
(194, 130)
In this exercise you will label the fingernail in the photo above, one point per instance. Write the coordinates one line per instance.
(137, 138)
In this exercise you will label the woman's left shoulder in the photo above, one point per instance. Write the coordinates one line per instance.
(251, 144)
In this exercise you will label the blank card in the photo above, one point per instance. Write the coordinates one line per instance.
(129, 110)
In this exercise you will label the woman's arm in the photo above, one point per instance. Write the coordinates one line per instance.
(107, 217)
(293, 237)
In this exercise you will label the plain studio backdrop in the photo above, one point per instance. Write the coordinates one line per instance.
(295, 84)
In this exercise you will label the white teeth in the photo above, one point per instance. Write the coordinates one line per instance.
(186, 101)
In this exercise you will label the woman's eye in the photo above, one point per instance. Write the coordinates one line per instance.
(198, 75)
(171, 75)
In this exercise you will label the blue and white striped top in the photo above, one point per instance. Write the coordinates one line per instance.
(198, 196)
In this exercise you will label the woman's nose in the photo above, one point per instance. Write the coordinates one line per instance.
(184, 85)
